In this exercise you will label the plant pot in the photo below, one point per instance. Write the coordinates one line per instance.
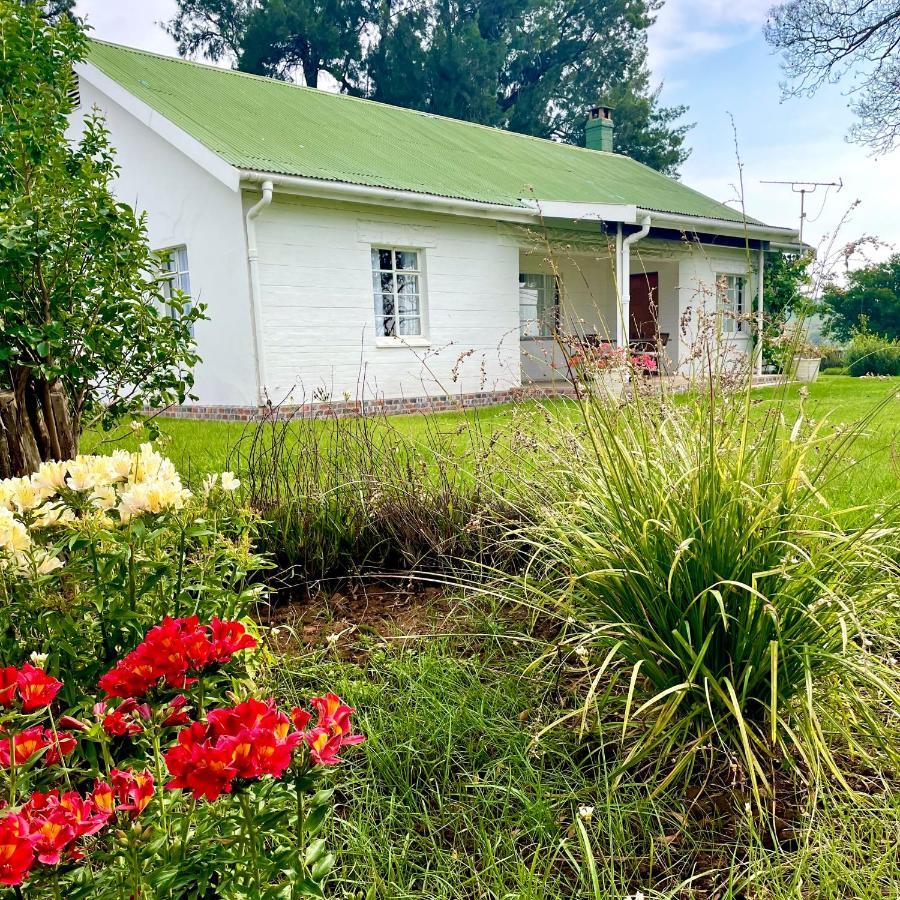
(611, 383)
(806, 369)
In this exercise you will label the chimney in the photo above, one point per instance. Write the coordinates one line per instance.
(598, 133)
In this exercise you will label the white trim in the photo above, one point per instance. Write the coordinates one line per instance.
(197, 152)
(341, 190)
(720, 226)
(400, 342)
(584, 212)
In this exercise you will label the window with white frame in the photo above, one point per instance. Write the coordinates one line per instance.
(732, 292)
(397, 286)
(538, 305)
(175, 277)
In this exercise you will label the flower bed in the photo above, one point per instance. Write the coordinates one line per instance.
(140, 761)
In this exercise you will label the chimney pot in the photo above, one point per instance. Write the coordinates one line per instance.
(599, 132)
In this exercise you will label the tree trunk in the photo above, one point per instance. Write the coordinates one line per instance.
(34, 427)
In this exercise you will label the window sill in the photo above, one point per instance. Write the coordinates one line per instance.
(402, 342)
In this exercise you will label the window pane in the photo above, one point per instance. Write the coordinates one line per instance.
(408, 303)
(387, 305)
(383, 282)
(407, 259)
(410, 325)
(382, 259)
(408, 284)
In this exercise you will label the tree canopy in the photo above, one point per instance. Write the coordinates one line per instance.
(869, 301)
(826, 41)
(532, 66)
(81, 309)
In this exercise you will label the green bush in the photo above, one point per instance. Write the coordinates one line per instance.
(690, 546)
(868, 354)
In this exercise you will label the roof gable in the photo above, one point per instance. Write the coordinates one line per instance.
(263, 124)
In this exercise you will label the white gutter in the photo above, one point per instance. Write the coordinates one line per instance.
(622, 324)
(721, 226)
(255, 297)
(340, 190)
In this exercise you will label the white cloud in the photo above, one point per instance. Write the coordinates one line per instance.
(686, 28)
(136, 24)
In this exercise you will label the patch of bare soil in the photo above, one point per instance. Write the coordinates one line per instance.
(378, 609)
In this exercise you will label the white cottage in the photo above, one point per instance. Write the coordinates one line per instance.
(349, 250)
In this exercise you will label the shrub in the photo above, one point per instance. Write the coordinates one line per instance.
(178, 776)
(95, 550)
(868, 354)
(691, 546)
(98, 797)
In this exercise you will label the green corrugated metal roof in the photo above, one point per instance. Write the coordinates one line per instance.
(268, 125)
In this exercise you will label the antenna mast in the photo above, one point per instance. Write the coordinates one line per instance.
(807, 187)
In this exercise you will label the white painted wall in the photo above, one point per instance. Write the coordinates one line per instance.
(698, 268)
(185, 205)
(317, 306)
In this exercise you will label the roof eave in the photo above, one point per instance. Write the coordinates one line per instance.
(324, 189)
(736, 228)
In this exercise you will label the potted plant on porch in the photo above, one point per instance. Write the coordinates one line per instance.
(607, 369)
(800, 359)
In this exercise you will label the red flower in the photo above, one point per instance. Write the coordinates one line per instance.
(249, 740)
(57, 820)
(59, 746)
(16, 849)
(8, 677)
(227, 639)
(36, 688)
(332, 731)
(198, 765)
(26, 744)
(129, 792)
(121, 721)
(177, 712)
(323, 746)
(171, 651)
(134, 790)
(86, 817)
(300, 718)
(33, 740)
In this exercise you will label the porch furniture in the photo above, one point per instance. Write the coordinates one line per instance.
(651, 348)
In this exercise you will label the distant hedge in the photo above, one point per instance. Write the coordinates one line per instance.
(868, 354)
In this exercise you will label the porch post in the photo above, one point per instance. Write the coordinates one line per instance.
(760, 319)
(622, 280)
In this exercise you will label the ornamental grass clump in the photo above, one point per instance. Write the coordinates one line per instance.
(712, 589)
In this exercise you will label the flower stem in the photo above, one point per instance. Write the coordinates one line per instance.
(249, 822)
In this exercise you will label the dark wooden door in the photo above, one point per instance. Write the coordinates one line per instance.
(643, 324)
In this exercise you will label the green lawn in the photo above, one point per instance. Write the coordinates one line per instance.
(201, 447)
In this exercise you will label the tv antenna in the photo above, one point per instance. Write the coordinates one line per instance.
(807, 187)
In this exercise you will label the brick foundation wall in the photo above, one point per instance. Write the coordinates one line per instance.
(343, 408)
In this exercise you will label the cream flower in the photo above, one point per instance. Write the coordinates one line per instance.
(104, 496)
(229, 482)
(14, 537)
(51, 476)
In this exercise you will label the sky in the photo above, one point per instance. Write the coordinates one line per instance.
(711, 56)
